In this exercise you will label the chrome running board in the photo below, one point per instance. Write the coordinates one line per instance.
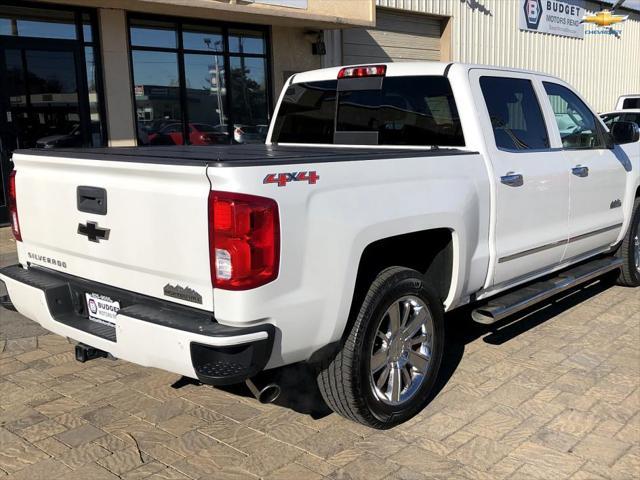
(524, 297)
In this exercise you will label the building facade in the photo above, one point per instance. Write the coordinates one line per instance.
(153, 72)
(602, 63)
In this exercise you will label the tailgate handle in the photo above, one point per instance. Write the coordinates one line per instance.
(92, 200)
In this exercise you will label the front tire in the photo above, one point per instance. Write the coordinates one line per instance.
(387, 366)
(629, 251)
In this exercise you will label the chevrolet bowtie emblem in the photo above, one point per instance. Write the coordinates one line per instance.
(93, 232)
(604, 18)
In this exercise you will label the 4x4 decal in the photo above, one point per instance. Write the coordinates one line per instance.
(283, 178)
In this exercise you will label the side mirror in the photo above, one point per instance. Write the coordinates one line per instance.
(625, 132)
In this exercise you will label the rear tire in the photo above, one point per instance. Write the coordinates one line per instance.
(388, 364)
(629, 251)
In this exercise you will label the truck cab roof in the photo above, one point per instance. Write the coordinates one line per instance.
(398, 69)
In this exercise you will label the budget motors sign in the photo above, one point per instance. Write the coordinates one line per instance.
(552, 16)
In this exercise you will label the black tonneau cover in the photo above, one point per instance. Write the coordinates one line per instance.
(239, 155)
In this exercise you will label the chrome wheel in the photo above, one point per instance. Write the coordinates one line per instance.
(401, 350)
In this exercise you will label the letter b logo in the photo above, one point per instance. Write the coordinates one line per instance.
(532, 10)
(532, 13)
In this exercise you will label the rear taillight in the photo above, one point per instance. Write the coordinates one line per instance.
(363, 71)
(13, 207)
(244, 240)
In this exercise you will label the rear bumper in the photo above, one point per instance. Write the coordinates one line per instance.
(147, 331)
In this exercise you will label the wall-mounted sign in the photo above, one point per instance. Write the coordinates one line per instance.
(285, 3)
(552, 16)
(605, 22)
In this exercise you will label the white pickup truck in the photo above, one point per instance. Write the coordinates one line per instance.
(385, 196)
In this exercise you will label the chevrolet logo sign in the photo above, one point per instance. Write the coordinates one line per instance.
(93, 232)
(604, 18)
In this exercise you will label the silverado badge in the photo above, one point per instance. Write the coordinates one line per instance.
(182, 293)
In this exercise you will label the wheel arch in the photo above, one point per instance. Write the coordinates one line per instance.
(438, 257)
(435, 261)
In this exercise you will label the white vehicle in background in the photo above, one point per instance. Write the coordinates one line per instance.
(628, 101)
(631, 115)
(385, 196)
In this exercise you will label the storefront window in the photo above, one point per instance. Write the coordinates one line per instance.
(94, 103)
(206, 98)
(248, 99)
(50, 81)
(200, 38)
(246, 42)
(155, 75)
(182, 74)
(52, 53)
(37, 23)
(92, 68)
(87, 28)
(147, 33)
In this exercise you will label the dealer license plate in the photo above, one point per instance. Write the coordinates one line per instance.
(102, 309)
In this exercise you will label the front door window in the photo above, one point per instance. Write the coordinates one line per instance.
(577, 124)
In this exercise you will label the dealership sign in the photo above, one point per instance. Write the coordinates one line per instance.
(552, 16)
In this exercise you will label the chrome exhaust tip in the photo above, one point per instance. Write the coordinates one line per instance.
(267, 394)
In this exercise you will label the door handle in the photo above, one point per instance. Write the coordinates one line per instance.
(580, 171)
(512, 179)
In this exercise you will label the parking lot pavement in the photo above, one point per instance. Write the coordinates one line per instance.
(553, 395)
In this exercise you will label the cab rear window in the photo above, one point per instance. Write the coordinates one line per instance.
(629, 103)
(414, 110)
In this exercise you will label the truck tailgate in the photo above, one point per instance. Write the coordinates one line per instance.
(156, 217)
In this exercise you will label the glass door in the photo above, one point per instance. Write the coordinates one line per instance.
(41, 103)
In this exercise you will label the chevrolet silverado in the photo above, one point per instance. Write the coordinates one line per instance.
(385, 195)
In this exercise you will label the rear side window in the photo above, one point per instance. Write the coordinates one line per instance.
(578, 126)
(416, 110)
(631, 103)
(307, 113)
(515, 113)
(407, 111)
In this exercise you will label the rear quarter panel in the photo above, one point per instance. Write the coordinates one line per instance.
(326, 226)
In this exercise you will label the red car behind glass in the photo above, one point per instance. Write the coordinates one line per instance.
(199, 134)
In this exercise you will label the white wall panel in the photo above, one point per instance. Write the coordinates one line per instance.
(397, 37)
(601, 67)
